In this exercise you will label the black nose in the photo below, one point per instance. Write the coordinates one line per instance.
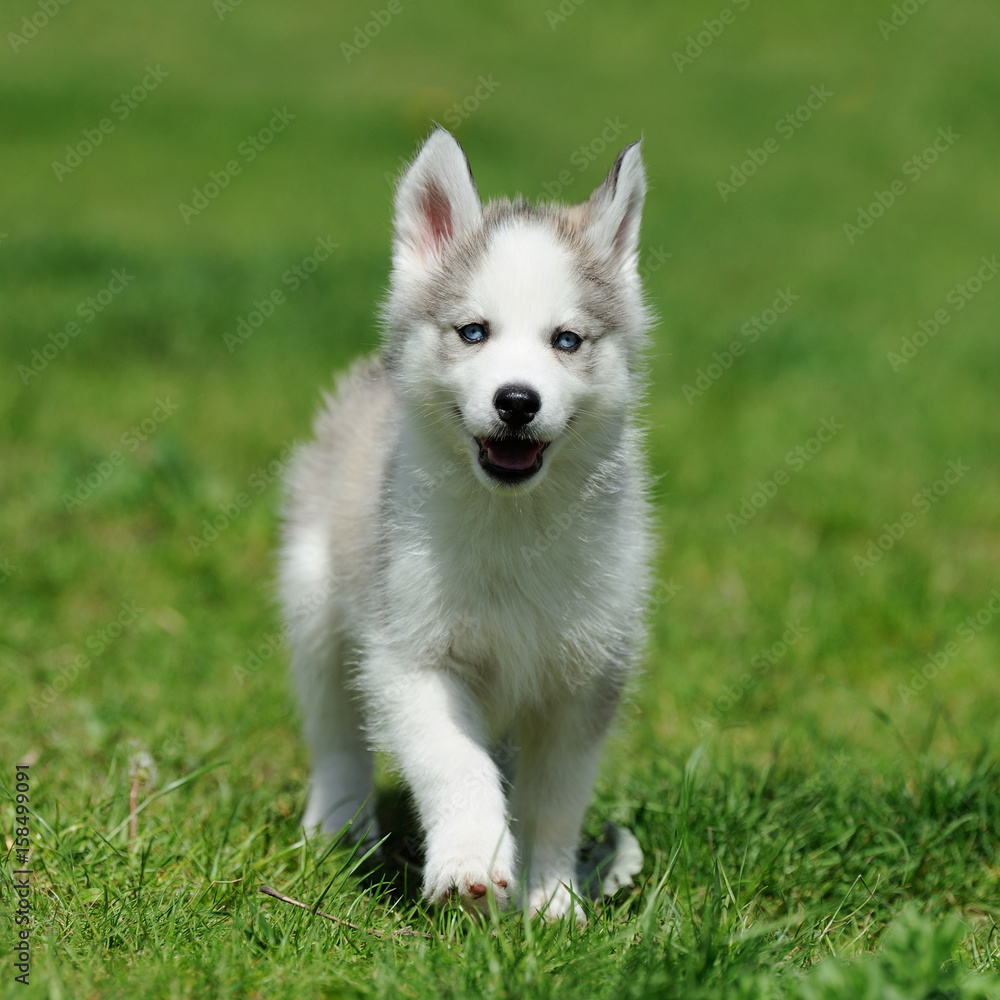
(516, 405)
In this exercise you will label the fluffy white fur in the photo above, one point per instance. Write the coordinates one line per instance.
(437, 610)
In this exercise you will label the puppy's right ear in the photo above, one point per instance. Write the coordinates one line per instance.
(616, 208)
(436, 202)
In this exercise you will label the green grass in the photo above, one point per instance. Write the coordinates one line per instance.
(819, 819)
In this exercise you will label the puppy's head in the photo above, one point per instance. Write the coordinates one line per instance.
(513, 330)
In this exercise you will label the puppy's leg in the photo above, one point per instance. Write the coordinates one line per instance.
(433, 729)
(559, 754)
(341, 789)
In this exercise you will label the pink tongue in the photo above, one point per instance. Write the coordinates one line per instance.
(513, 455)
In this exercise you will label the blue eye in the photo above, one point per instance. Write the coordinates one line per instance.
(473, 333)
(567, 340)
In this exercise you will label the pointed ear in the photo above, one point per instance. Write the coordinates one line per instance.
(436, 201)
(616, 209)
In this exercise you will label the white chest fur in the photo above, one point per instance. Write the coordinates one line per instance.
(525, 597)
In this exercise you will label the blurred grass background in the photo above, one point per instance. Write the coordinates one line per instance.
(561, 89)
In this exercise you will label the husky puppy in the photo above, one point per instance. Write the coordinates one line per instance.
(466, 542)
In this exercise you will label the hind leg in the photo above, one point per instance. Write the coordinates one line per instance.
(341, 789)
(341, 782)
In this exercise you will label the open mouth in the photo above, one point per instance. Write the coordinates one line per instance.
(509, 459)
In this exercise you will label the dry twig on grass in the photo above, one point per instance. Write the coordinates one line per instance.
(377, 931)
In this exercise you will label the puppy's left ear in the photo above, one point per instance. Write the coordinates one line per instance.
(436, 202)
(616, 210)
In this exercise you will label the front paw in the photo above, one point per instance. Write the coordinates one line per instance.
(554, 899)
(470, 876)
